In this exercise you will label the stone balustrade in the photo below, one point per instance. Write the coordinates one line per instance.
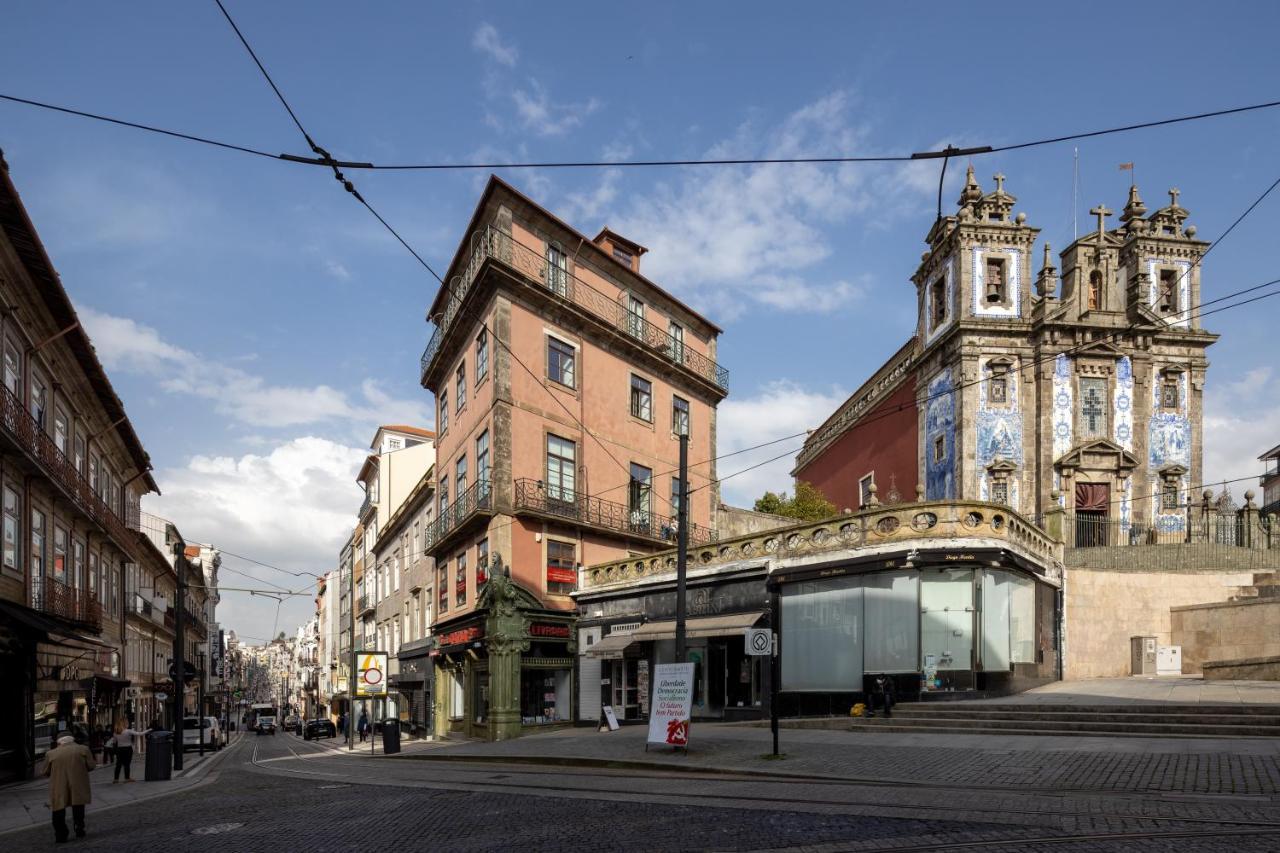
(870, 528)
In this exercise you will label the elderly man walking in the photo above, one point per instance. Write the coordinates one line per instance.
(67, 765)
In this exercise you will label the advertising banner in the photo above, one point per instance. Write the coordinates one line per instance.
(371, 674)
(672, 704)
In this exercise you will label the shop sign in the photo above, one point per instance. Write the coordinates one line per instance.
(538, 629)
(460, 636)
(557, 574)
(672, 704)
(371, 674)
(759, 641)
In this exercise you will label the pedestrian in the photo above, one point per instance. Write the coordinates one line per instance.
(342, 725)
(363, 726)
(122, 743)
(882, 694)
(68, 765)
(107, 738)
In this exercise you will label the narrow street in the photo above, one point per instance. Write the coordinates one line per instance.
(281, 793)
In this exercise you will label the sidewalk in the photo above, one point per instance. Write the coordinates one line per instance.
(25, 804)
(338, 746)
(1242, 766)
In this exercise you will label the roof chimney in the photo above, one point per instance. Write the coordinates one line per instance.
(620, 248)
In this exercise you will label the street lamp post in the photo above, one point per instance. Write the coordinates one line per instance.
(200, 703)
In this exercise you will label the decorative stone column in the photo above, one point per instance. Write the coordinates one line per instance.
(507, 636)
(1249, 523)
(1054, 519)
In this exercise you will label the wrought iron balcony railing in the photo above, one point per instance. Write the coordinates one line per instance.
(478, 497)
(364, 507)
(364, 604)
(535, 496)
(26, 432)
(55, 598)
(532, 263)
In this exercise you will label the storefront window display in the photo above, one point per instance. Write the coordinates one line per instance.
(545, 695)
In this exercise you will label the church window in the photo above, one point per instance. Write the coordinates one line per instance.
(1169, 393)
(1000, 491)
(1095, 290)
(995, 282)
(1169, 496)
(999, 389)
(1168, 291)
(939, 448)
(1093, 408)
(938, 302)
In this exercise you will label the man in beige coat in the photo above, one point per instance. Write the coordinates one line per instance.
(67, 765)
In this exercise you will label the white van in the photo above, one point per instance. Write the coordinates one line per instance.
(196, 729)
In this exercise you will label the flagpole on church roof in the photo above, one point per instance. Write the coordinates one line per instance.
(1075, 197)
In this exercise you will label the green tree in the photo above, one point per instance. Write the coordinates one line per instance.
(809, 504)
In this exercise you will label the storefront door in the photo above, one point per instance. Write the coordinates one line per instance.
(946, 628)
(624, 680)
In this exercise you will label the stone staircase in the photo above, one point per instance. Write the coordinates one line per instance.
(1100, 720)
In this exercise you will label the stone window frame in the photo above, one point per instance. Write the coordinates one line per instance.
(1171, 377)
(939, 448)
(864, 489)
(1001, 473)
(1170, 479)
(998, 368)
(1107, 392)
(1006, 260)
(1094, 299)
(937, 299)
(1178, 308)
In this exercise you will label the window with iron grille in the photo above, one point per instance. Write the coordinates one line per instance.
(1093, 407)
(1000, 491)
(635, 317)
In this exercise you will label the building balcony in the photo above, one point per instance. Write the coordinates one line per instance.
(23, 430)
(54, 598)
(365, 507)
(549, 502)
(475, 502)
(530, 263)
(365, 605)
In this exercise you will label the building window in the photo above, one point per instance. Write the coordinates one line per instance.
(482, 564)
(641, 398)
(1169, 495)
(1168, 292)
(79, 454)
(460, 580)
(635, 317)
(557, 270)
(10, 528)
(864, 489)
(562, 572)
(12, 370)
(461, 385)
(1000, 491)
(444, 411)
(677, 493)
(561, 467)
(443, 587)
(482, 355)
(78, 579)
(995, 283)
(676, 334)
(561, 362)
(444, 498)
(393, 444)
(999, 389)
(639, 497)
(37, 543)
(60, 431)
(482, 463)
(460, 479)
(60, 554)
(622, 255)
(93, 577)
(1170, 394)
(1093, 407)
(938, 302)
(1095, 290)
(39, 401)
(679, 415)
(939, 448)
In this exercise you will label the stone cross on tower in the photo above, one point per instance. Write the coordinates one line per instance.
(999, 179)
(1102, 212)
(1173, 196)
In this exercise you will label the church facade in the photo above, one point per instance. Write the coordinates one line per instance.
(1078, 384)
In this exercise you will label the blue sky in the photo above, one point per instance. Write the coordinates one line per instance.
(258, 323)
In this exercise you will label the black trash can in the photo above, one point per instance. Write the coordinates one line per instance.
(159, 756)
(390, 736)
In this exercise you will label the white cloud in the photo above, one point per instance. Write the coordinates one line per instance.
(778, 409)
(538, 113)
(127, 345)
(1241, 420)
(292, 506)
(337, 270)
(487, 41)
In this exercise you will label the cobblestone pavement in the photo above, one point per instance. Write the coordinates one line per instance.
(281, 794)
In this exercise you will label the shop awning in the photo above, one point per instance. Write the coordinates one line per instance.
(702, 626)
(611, 647)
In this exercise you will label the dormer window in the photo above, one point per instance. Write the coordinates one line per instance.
(1095, 290)
(938, 302)
(1168, 293)
(622, 256)
(995, 283)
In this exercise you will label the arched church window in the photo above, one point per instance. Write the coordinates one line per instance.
(1095, 290)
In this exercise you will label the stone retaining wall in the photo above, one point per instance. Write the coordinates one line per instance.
(1227, 632)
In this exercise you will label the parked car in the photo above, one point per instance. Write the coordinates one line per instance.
(293, 723)
(319, 728)
(206, 729)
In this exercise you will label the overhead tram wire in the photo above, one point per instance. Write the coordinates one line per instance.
(325, 161)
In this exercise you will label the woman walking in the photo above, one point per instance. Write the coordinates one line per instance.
(122, 744)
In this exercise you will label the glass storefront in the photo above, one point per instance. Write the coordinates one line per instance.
(545, 695)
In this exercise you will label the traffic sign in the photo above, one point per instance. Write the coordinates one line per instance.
(188, 669)
(759, 641)
(162, 696)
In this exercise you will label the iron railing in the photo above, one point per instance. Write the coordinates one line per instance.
(364, 604)
(364, 507)
(535, 496)
(478, 497)
(1189, 540)
(55, 598)
(27, 433)
(532, 263)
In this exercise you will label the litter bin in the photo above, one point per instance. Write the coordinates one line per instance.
(159, 756)
(390, 736)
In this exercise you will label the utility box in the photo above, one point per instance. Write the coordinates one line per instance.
(1142, 656)
(1169, 660)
